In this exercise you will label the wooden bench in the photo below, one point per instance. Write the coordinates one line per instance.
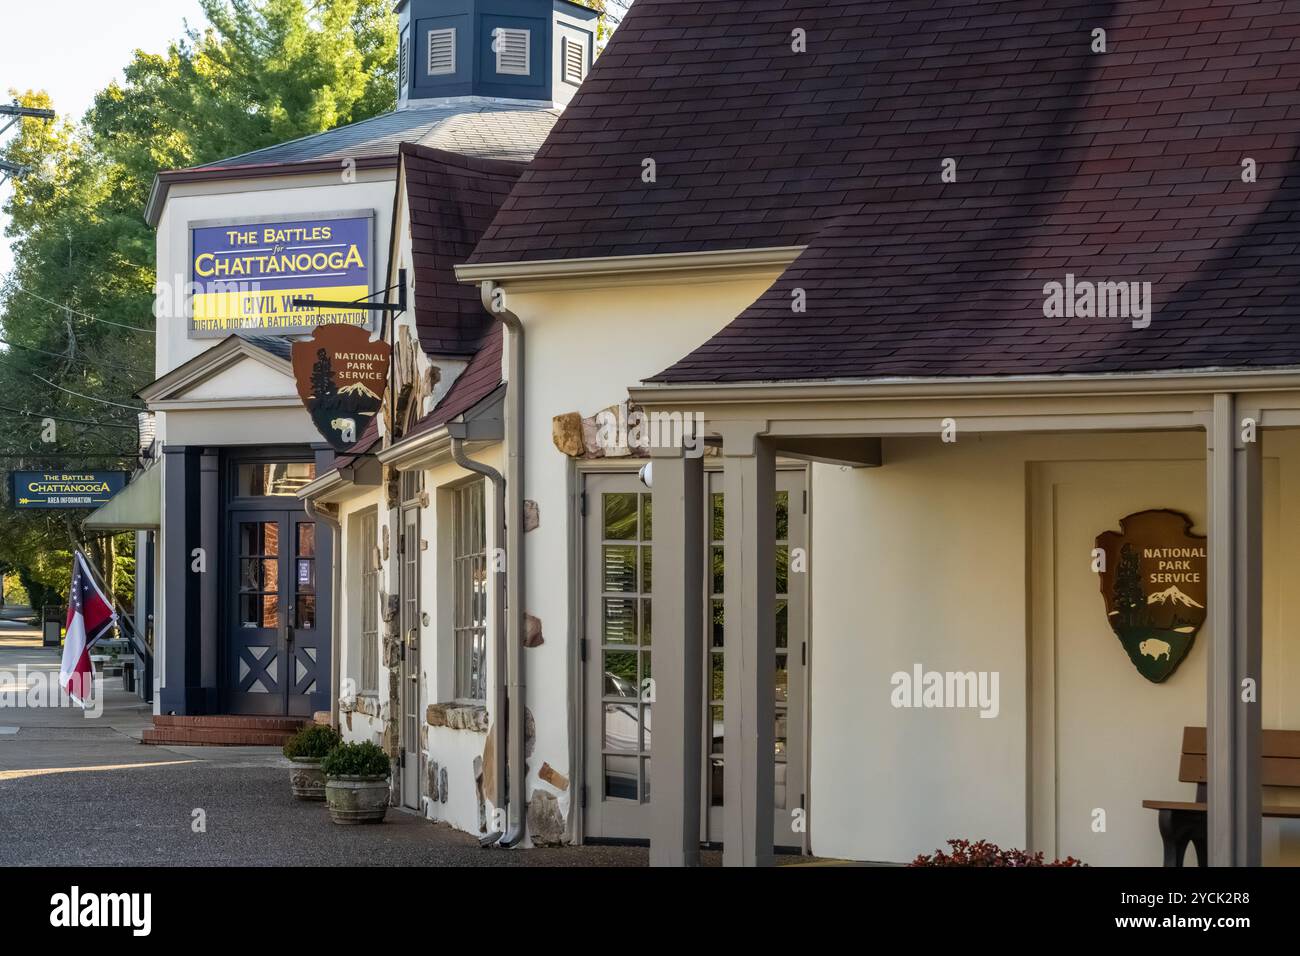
(1183, 822)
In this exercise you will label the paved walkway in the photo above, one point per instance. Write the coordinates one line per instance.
(77, 790)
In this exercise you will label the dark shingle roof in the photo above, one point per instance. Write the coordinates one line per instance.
(452, 199)
(754, 145)
(368, 439)
(479, 380)
(488, 130)
(1122, 167)
(278, 346)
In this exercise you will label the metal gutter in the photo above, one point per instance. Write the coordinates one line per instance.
(515, 566)
(497, 712)
(622, 267)
(1025, 386)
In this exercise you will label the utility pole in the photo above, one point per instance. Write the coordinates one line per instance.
(16, 113)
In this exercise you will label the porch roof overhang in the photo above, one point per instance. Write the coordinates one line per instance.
(482, 425)
(833, 409)
(344, 483)
(137, 507)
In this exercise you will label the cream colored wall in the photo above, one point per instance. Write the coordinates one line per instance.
(355, 725)
(582, 352)
(930, 560)
(275, 425)
(453, 750)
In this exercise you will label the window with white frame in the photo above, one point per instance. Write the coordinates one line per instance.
(470, 580)
(442, 52)
(368, 544)
(573, 60)
(511, 47)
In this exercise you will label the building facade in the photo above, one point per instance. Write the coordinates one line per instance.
(914, 449)
(753, 453)
(246, 601)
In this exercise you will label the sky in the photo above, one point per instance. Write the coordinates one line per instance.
(74, 48)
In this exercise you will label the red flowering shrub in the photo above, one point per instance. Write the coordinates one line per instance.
(984, 853)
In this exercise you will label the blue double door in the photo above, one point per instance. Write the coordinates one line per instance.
(277, 647)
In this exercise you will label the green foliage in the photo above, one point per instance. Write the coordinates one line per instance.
(314, 741)
(356, 760)
(261, 72)
(611, 15)
(15, 594)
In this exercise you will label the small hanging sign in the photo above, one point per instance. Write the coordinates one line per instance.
(341, 376)
(1154, 584)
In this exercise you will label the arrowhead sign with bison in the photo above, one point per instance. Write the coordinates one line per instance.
(1154, 585)
(341, 376)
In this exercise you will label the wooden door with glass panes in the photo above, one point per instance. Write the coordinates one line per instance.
(409, 547)
(618, 542)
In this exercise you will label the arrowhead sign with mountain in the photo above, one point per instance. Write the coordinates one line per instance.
(1154, 587)
(342, 376)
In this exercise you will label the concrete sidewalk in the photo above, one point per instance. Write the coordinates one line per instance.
(76, 790)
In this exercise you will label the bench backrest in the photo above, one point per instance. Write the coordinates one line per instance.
(1279, 757)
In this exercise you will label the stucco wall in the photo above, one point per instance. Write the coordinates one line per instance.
(583, 351)
(365, 723)
(937, 558)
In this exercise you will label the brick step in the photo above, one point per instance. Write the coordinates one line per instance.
(232, 722)
(216, 737)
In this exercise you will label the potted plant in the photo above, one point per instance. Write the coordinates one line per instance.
(356, 783)
(307, 748)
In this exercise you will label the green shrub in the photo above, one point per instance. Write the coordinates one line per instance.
(314, 741)
(356, 760)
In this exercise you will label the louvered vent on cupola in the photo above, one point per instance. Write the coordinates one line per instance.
(442, 52)
(509, 51)
(575, 61)
(511, 47)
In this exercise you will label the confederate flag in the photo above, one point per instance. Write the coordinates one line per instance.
(90, 617)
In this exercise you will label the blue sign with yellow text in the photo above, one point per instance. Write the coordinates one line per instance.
(246, 277)
(64, 489)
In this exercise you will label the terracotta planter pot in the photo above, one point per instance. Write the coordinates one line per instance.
(357, 799)
(306, 778)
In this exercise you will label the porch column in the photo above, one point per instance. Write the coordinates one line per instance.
(210, 542)
(1236, 650)
(749, 670)
(677, 586)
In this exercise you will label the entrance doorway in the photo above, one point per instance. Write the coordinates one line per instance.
(618, 549)
(409, 555)
(275, 652)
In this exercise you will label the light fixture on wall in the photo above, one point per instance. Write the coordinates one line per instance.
(147, 426)
(646, 474)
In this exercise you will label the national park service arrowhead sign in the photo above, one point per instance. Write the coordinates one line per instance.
(1154, 585)
(341, 376)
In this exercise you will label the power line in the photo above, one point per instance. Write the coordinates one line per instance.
(61, 355)
(61, 418)
(89, 398)
(84, 315)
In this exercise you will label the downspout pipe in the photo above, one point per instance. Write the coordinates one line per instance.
(458, 431)
(336, 646)
(493, 298)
